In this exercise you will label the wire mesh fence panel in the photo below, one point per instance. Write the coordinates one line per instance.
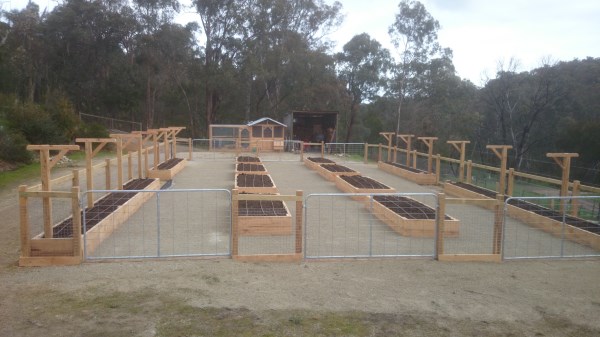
(369, 225)
(532, 230)
(287, 150)
(60, 210)
(163, 223)
(345, 152)
(213, 149)
(475, 229)
(449, 171)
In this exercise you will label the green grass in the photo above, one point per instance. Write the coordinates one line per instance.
(21, 174)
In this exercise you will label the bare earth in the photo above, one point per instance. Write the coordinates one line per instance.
(221, 297)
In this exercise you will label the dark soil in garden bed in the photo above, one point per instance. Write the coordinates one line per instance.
(537, 209)
(337, 168)
(245, 167)
(404, 167)
(261, 208)
(254, 180)
(248, 159)
(364, 182)
(407, 208)
(101, 209)
(169, 164)
(321, 160)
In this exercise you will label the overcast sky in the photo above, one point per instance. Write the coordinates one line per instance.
(481, 33)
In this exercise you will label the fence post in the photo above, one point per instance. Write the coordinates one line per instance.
(438, 168)
(77, 252)
(511, 182)
(322, 149)
(497, 243)
(439, 225)
(301, 151)
(24, 219)
(190, 149)
(469, 171)
(129, 166)
(234, 222)
(379, 153)
(107, 174)
(366, 155)
(395, 153)
(75, 178)
(575, 201)
(299, 211)
(146, 164)
(414, 159)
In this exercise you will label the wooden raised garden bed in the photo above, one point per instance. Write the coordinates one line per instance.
(418, 176)
(468, 191)
(248, 159)
(314, 162)
(168, 169)
(409, 217)
(249, 168)
(255, 183)
(264, 217)
(330, 171)
(361, 184)
(107, 214)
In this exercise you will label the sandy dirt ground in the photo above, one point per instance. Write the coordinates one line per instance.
(221, 297)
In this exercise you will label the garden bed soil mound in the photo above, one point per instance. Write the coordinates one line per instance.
(246, 167)
(337, 168)
(404, 167)
(101, 209)
(169, 164)
(254, 180)
(537, 209)
(364, 182)
(248, 159)
(321, 160)
(261, 208)
(407, 208)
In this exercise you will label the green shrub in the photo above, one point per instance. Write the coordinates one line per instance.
(13, 147)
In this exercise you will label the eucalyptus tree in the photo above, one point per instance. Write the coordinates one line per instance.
(414, 35)
(362, 66)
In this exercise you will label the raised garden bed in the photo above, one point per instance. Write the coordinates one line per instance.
(314, 162)
(330, 171)
(264, 217)
(168, 169)
(248, 159)
(548, 220)
(249, 168)
(255, 183)
(361, 184)
(107, 214)
(409, 217)
(418, 176)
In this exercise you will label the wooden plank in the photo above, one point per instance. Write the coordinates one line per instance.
(52, 247)
(299, 213)
(25, 235)
(470, 257)
(47, 194)
(52, 147)
(44, 261)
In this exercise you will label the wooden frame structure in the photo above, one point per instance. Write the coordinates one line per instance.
(564, 162)
(460, 146)
(264, 134)
(428, 141)
(389, 137)
(501, 151)
(407, 139)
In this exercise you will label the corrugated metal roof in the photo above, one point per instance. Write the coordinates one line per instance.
(266, 119)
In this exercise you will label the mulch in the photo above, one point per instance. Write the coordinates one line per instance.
(248, 159)
(169, 164)
(364, 182)
(337, 168)
(321, 160)
(261, 208)
(254, 180)
(246, 167)
(404, 167)
(407, 207)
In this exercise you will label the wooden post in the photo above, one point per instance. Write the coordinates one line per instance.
(438, 168)
(366, 155)
(129, 166)
(75, 180)
(90, 153)
(498, 212)
(322, 149)
(395, 157)
(146, 164)
(302, 151)
(190, 149)
(234, 223)
(156, 150)
(24, 220)
(439, 223)
(388, 136)
(429, 143)
(460, 146)
(564, 161)
(379, 153)
(469, 171)
(119, 164)
(575, 201)
(501, 151)
(106, 175)
(77, 251)
(299, 212)
(139, 155)
(46, 165)
(414, 163)
(124, 141)
(511, 182)
(407, 139)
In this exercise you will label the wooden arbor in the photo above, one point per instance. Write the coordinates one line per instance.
(564, 161)
(501, 151)
(90, 153)
(389, 137)
(407, 139)
(429, 143)
(460, 146)
(120, 145)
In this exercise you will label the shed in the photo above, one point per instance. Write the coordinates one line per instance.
(312, 126)
(265, 134)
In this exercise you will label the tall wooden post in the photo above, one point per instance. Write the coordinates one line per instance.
(379, 153)
(575, 202)
(501, 151)
(90, 153)
(429, 143)
(24, 220)
(366, 154)
(46, 165)
(106, 175)
(469, 171)
(129, 166)
(414, 162)
(407, 139)
(299, 209)
(125, 140)
(439, 222)
(564, 161)
(76, 211)
(190, 149)
(322, 149)
(460, 146)
(234, 223)
(438, 168)
(389, 137)
(511, 182)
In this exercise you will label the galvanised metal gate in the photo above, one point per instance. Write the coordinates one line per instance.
(344, 225)
(158, 223)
